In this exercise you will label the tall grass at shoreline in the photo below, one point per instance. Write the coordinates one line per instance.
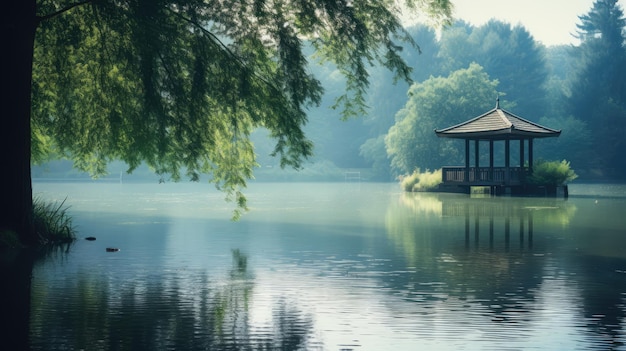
(51, 222)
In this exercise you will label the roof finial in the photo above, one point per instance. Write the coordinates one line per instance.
(498, 101)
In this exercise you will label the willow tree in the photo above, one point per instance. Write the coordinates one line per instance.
(178, 84)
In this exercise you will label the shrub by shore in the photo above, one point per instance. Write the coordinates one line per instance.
(554, 173)
(421, 181)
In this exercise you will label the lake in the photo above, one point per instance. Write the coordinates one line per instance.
(332, 266)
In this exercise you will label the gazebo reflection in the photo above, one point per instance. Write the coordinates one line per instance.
(512, 219)
(485, 222)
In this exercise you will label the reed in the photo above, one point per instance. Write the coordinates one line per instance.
(53, 224)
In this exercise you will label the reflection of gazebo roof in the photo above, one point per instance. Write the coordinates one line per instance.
(497, 124)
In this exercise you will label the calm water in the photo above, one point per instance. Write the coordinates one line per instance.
(343, 266)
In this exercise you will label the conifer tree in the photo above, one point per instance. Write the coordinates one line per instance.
(598, 89)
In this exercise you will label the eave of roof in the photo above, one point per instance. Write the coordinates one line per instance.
(497, 124)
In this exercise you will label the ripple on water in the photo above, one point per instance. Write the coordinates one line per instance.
(394, 284)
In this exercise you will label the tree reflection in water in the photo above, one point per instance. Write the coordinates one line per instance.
(187, 312)
(515, 258)
(16, 269)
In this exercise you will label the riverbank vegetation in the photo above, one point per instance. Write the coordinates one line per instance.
(554, 173)
(52, 225)
(421, 181)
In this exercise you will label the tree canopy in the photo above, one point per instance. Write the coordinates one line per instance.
(437, 103)
(507, 53)
(598, 88)
(181, 84)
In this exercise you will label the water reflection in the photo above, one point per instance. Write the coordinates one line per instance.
(485, 217)
(183, 312)
(482, 218)
(16, 268)
(504, 260)
(341, 267)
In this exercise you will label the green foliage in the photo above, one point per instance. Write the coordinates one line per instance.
(409, 181)
(507, 53)
(387, 96)
(53, 224)
(181, 85)
(437, 103)
(552, 173)
(574, 143)
(374, 150)
(598, 87)
(421, 181)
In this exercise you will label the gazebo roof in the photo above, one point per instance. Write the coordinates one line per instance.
(497, 124)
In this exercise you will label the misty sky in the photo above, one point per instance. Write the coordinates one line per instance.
(551, 22)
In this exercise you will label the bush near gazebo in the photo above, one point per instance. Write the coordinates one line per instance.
(555, 173)
(421, 181)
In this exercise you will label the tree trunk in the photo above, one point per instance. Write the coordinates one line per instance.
(18, 23)
(16, 269)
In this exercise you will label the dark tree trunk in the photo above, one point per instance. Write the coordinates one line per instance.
(18, 23)
(16, 268)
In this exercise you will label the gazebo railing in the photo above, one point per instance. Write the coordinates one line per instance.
(496, 175)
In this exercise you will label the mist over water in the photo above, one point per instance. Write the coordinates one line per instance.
(332, 266)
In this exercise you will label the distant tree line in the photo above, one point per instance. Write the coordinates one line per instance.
(579, 89)
(456, 76)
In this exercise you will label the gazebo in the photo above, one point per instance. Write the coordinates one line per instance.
(494, 125)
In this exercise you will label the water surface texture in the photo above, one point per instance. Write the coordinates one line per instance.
(345, 266)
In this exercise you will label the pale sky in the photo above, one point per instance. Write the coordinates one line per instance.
(551, 22)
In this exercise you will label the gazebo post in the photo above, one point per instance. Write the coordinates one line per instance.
(507, 161)
(530, 155)
(521, 159)
(476, 161)
(467, 160)
(493, 126)
(491, 160)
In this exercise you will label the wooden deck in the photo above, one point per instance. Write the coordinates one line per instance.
(495, 181)
(484, 176)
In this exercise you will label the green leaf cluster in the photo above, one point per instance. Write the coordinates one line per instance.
(181, 84)
(507, 53)
(422, 181)
(552, 173)
(597, 89)
(436, 103)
